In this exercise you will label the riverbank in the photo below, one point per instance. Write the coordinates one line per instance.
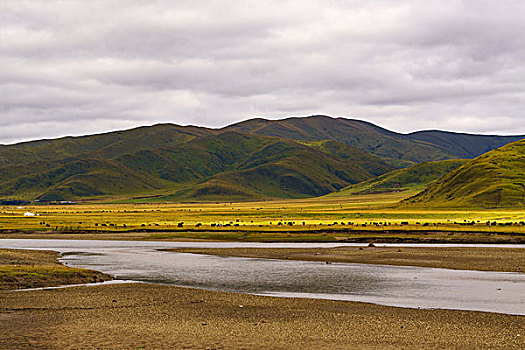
(134, 316)
(284, 235)
(479, 258)
(35, 269)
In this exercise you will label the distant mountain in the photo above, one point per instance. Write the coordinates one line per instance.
(401, 150)
(463, 145)
(493, 180)
(255, 159)
(395, 148)
(416, 177)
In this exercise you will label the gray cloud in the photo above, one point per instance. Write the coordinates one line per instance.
(78, 67)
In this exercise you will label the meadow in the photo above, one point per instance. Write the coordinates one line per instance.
(317, 219)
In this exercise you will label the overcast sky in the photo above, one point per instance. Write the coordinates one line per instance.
(80, 67)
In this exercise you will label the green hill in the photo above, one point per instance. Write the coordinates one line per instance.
(493, 180)
(80, 178)
(105, 145)
(208, 167)
(244, 166)
(255, 159)
(416, 177)
(393, 147)
(400, 150)
(287, 169)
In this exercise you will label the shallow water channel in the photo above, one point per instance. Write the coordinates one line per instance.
(413, 287)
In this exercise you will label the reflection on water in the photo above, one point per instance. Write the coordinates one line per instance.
(387, 285)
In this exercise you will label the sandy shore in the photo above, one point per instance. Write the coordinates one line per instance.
(138, 316)
(483, 259)
(283, 235)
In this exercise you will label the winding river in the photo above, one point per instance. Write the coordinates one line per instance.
(401, 286)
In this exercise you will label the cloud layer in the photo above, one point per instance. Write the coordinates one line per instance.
(79, 67)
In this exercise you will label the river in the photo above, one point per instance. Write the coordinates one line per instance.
(401, 286)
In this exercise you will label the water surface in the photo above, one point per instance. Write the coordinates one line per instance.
(413, 287)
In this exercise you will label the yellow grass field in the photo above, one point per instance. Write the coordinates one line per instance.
(337, 215)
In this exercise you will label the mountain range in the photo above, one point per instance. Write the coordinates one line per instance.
(253, 159)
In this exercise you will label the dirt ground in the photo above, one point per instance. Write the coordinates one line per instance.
(483, 259)
(147, 316)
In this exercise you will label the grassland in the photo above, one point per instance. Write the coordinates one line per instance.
(330, 218)
(33, 269)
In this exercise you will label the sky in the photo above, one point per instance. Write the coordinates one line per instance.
(83, 67)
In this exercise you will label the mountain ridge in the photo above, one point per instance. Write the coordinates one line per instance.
(257, 158)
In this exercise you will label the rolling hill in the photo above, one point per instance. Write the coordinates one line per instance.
(254, 159)
(493, 180)
(400, 150)
(392, 147)
(211, 166)
(416, 177)
(286, 168)
(105, 145)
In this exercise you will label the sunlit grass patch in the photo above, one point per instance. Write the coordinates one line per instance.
(31, 269)
(352, 213)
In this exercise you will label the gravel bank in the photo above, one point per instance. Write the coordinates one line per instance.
(483, 259)
(132, 316)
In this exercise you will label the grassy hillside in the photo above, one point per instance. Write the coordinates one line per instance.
(105, 145)
(493, 180)
(400, 150)
(78, 179)
(288, 169)
(225, 166)
(255, 159)
(416, 177)
(365, 136)
(277, 168)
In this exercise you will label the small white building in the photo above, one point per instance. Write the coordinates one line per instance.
(28, 213)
